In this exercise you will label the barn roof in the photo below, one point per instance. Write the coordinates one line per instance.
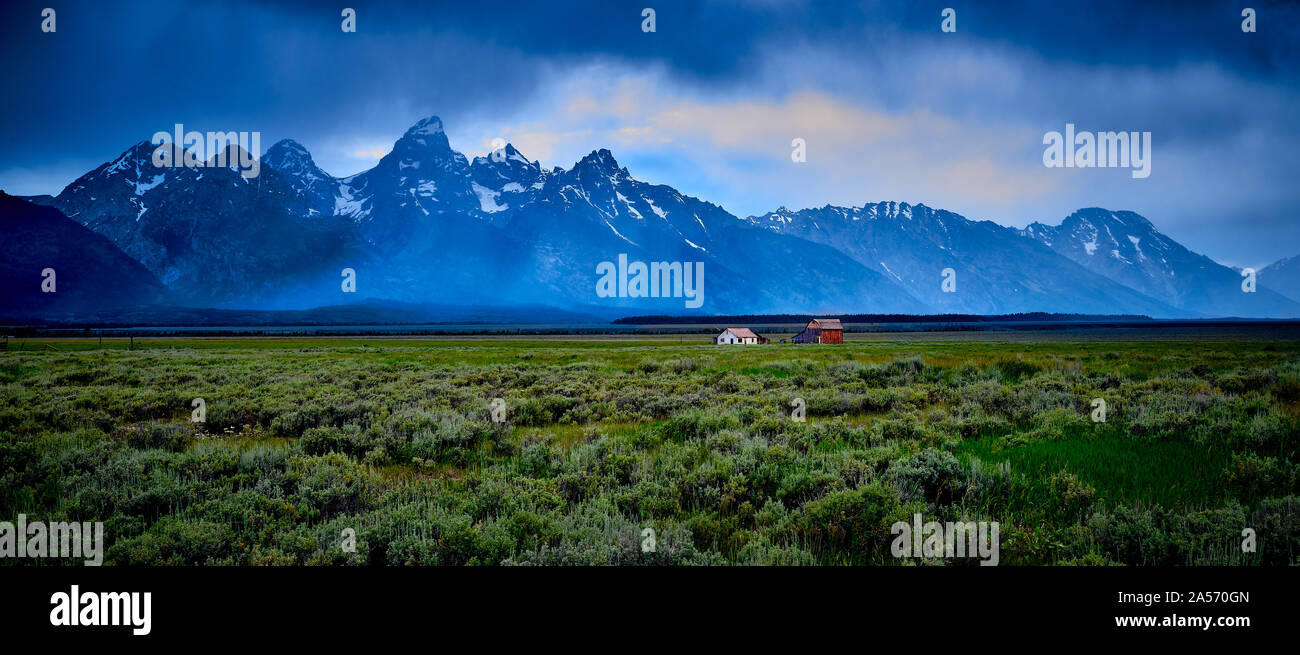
(743, 333)
(829, 323)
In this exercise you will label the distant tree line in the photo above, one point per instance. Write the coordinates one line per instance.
(761, 319)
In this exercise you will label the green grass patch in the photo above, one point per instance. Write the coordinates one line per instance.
(1123, 469)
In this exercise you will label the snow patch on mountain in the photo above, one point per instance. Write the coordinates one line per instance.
(620, 234)
(487, 199)
(659, 212)
(142, 187)
(348, 205)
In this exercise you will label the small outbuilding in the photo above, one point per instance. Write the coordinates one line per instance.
(821, 330)
(738, 335)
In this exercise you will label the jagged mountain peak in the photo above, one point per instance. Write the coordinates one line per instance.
(231, 155)
(509, 155)
(143, 148)
(1101, 216)
(139, 152)
(505, 171)
(131, 170)
(287, 154)
(291, 160)
(893, 209)
(427, 132)
(314, 192)
(1126, 247)
(886, 209)
(426, 127)
(602, 162)
(288, 146)
(424, 141)
(1125, 235)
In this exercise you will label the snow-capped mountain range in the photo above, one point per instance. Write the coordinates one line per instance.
(1126, 247)
(994, 270)
(428, 224)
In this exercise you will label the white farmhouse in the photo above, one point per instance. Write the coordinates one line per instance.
(738, 335)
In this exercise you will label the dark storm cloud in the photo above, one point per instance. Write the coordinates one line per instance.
(115, 73)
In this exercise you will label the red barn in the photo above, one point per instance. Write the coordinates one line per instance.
(821, 330)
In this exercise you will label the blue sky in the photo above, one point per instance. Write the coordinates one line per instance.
(890, 107)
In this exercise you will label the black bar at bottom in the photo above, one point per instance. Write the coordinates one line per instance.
(925, 606)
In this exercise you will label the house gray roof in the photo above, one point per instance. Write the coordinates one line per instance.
(743, 333)
(829, 323)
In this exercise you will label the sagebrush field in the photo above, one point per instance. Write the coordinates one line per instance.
(602, 438)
